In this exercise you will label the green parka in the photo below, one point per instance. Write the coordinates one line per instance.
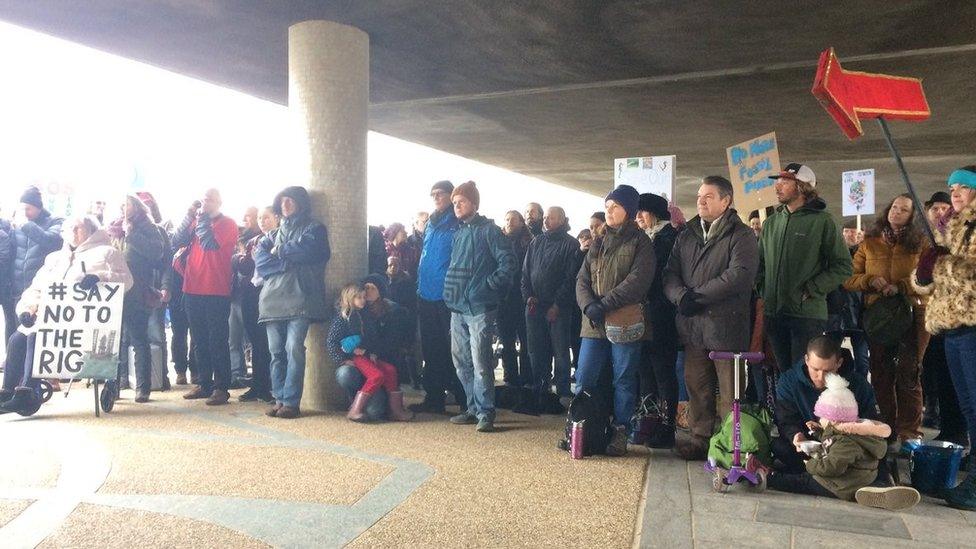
(848, 463)
(802, 258)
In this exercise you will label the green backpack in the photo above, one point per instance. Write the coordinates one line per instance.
(756, 425)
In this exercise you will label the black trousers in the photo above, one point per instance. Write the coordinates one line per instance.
(179, 324)
(658, 374)
(435, 338)
(258, 336)
(14, 367)
(135, 333)
(789, 335)
(797, 483)
(209, 328)
(10, 321)
(511, 327)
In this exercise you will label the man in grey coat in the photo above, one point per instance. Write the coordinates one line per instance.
(709, 278)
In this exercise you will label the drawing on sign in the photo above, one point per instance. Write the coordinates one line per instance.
(647, 174)
(78, 331)
(857, 189)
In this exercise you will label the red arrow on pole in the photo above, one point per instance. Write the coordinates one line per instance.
(849, 96)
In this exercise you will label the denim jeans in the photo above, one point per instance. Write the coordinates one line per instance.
(549, 343)
(183, 358)
(237, 340)
(471, 338)
(352, 380)
(789, 335)
(679, 370)
(208, 329)
(960, 349)
(286, 341)
(135, 334)
(597, 354)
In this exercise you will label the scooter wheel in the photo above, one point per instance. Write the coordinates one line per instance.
(760, 485)
(718, 480)
(46, 390)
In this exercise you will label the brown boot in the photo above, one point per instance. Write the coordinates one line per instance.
(287, 412)
(218, 397)
(357, 412)
(397, 413)
(195, 393)
(273, 411)
(181, 379)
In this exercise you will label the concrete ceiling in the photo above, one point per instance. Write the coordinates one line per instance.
(558, 89)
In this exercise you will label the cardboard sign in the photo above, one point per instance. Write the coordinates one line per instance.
(78, 331)
(857, 192)
(647, 174)
(750, 165)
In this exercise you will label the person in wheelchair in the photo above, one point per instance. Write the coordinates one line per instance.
(87, 258)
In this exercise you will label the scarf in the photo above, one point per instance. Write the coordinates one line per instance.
(892, 235)
(652, 232)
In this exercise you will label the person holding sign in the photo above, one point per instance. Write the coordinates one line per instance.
(802, 258)
(211, 239)
(87, 258)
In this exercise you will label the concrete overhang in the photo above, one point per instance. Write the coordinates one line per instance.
(557, 90)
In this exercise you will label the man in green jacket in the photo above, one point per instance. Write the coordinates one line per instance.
(802, 258)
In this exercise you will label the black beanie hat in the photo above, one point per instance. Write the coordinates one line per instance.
(654, 204)
(377, 280)
(32, 196)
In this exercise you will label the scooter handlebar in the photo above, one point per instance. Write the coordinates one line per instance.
(728, 355)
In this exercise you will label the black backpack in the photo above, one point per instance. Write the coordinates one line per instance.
(597, 429)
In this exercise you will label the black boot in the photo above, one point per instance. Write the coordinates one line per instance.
(964, 496)
(5, 395)
(22, 400)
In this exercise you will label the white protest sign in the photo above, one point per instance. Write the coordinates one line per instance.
(78, 331)
(857, 192)
(647, 174)
(750, 165)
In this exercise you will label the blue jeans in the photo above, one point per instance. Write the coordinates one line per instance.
(352, 380)
(960, 349)
(471, 338)
(237, 341)
(679, 370)
(286, 340)
(597, 354)
(549, 342)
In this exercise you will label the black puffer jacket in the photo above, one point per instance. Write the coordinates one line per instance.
(549, 273)
(662, 311)
(7, 251)
(34, 240)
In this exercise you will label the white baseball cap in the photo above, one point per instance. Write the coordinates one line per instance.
(797, 172)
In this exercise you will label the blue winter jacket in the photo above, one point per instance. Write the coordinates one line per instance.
(482, 268)
(435, 257)
(796, 397)
(34, 240)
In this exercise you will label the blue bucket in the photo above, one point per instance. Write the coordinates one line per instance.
(933, 465)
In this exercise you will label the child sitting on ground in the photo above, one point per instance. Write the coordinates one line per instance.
(347, 344)
(844, 463)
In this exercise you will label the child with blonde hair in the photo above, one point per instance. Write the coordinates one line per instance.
(347, 343)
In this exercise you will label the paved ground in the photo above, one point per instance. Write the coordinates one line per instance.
(176, 473)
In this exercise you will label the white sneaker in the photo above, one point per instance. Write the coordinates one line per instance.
(892, 498)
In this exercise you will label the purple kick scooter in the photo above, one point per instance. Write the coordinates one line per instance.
(722, 479)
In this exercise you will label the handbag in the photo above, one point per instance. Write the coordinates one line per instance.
(888, 319)
(626, 324)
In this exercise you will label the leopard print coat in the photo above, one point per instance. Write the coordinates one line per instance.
(953, 293)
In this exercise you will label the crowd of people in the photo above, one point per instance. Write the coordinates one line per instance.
(628, 309)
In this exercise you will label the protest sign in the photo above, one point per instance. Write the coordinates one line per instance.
(857, 192)
(78, 331)
(750, 165)
(647, 174)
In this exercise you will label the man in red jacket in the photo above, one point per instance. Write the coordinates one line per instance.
(210, 239)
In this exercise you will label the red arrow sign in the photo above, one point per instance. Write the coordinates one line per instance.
(851, 95)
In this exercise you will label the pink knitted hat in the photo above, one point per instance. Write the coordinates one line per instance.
(837, 403)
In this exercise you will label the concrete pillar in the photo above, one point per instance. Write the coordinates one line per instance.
(328, 96)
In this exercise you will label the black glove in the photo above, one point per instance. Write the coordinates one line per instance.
(27, 319)
(595, 312)
(88, 282)
(926, 264)
(689, 305)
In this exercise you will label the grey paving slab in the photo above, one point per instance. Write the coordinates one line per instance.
(947, 534)
(727, 504)
(850, 519)
(720, 528)
(811, 538)
(666, 518)
(937, 509)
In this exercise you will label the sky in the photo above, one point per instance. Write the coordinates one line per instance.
(84, 125)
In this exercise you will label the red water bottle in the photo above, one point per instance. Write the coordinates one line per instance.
(576, 440)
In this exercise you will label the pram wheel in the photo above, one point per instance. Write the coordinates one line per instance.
(718, 480)
(45, 390)
(108, 395)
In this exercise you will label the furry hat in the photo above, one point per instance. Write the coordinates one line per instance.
(654, 204)
(837, 403)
